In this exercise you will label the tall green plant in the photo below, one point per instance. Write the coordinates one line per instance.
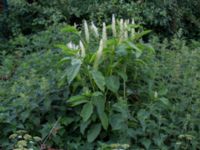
(99, 71)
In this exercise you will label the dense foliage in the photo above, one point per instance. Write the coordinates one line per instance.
(99, 85)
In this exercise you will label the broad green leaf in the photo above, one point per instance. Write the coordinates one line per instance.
(98, 79)
(87, 111)
(93, 132)
(104, 120)
(112, 83)
(84, 125)
(73, 70)
(99, 102)
(123, 75)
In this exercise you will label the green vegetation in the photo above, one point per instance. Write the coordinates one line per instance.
(109, 82)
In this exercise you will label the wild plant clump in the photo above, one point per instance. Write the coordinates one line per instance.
(102, 68)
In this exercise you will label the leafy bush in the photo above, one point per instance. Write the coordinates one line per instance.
(25, 18)
(164, 17)
(31, 95)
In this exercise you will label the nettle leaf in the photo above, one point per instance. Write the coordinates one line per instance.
(99, 79)
(73, 70)
(93, 132)
(87, 111)
(113, 83)
(99, 102)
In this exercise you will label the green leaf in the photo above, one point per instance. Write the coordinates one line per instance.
(117, 121)
(122, 74)
(69, 29)
(77, 100)
(104, 120)
(146, 143)
(138, 51)
(93, 132)
(73, 70)
(141, 34)
(84, 126)
(87, 111)
(112, 83)
(165, 101)
(98, 79)
(99, 102)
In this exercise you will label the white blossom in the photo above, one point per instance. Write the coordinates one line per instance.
(94, 28)
(114, 26)
(133, 29)
(104, 33)
(72, 46)
(86, 29)
(99, 53)
(82, 49)
(121, 26)
(125, 30)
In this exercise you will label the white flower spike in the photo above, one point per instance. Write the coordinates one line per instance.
(104, 33)
(82, 49)
(86, 29)
(72, 46)
(94, 28)
(114, 26)
(125, 30)
(133, 29)
(121, 25)
(99, 53)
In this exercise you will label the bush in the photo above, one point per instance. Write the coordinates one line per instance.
(31, 95)
(24, 18)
